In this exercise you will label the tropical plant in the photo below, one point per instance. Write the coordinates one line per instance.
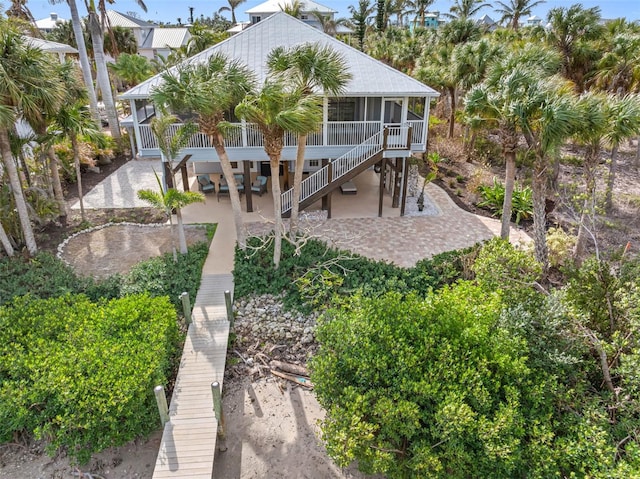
(131, 69)
(360, 19)
(309, 68)
(513, 11)
(85, 65)
(497, 102)
(464, 9)
(168, 201)
(570, 31)
(276, 109)
(29, 86)
(493, 197)
(233, 4)
(209, 90)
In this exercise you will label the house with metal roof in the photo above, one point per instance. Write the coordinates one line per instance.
(152, 40)
(60, 49)
(381, 108)
(308, 8)
(46, 25)
(160, 41)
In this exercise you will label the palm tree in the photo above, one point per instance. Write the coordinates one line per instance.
(6, 243)
(360, 19)
(96, 24)
(463, 9)
(496, 104)
(310, 67)
(233, 4)
(276, 109)
(328, 24)
(168, 201)
(209, 90)
(516, 9)
(292, 7)
(603, 118)
(548, 117)
(85, 65)
(131, 69)
(569, 33)
(29, 86)
(420, 8)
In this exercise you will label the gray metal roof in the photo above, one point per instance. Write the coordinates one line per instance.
(117, 19)
(49, 46)
(166, 37)
(273, 6)
(252, 46)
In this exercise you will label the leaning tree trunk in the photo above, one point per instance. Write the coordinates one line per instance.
(217, 140)
(76, 162)
(85, 65)
(14, 180)
(277, 208)
(297, 185)
(539, 187)
(613, 169)
(509, 182)
(6, 243)
(103, 74)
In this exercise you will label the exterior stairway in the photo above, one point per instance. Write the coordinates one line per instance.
(348, 166)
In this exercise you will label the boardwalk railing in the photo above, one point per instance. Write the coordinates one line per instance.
(392, 138)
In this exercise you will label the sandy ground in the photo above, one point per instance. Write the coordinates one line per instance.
(272, 431)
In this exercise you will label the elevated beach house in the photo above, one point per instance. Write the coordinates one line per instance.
(380, 120)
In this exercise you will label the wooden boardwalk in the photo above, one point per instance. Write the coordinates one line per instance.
(189, 438)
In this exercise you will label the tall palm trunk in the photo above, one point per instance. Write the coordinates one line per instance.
(182, 240)
(217, 140)
(277, 207)
(76, 162)
(97, 38)
(613, 169)
(6, 243)
(297, 185)
(85, 65)
(16, 187)
(589, 206)
(452, 115)
(55, 179)
(509, 182)
(539, 187)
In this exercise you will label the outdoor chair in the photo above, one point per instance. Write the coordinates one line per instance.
(223, 189)
(239, 177)
(259, 185)
(206, 186)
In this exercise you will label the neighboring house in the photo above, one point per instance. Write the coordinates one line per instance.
(486, 23)
(46, 25)
(152, 40)
(268, 8)
(379, 108)
(534, 21)
(60, 49)
(431, 20)
(160, 41)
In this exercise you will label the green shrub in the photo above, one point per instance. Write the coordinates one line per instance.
(428, 388)
(44, 276)
(493, 199)
(81, 374)
(320, 272)
(163, 276)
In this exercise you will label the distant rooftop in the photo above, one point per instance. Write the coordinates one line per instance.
(117, 19)
(50, 22)
(273, 6)
(48, 46)
(166, 37)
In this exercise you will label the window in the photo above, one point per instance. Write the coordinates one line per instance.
(342, 109)
(314, 163)
(304, 17)
(234, 164)
(255, 19)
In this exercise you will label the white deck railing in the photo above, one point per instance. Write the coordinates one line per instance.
(396, 139)
(339, 133)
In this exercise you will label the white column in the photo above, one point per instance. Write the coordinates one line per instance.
(325, 120)
(136, 125)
